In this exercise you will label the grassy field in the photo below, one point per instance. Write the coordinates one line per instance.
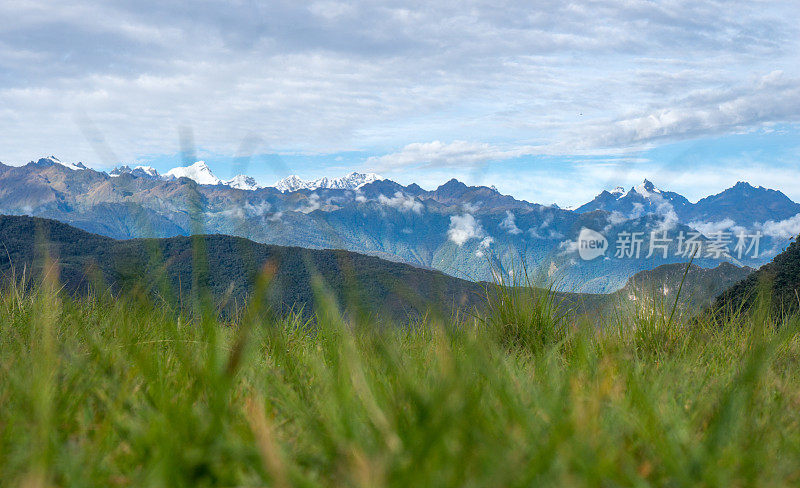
(125, 392)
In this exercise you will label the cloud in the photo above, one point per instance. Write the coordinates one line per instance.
(248, 209)
(711, 228)
(463, 228)
(484, 244)
(784, 229)
(616, 218)
(665, 210)
(470, 207)
(258, 208)
(402, 202)
(772, 98)
(311, 204)
(568, 247)
(439, 154)
(509, 225)
(449, 84)
(637, 211)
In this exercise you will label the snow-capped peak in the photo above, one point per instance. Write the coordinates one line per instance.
(138, 171)
(618, 191)
(148, 170)
(645, 189)
(55, 160)
(353, 181)
(243, 182)
(199, 172)
(290, 183)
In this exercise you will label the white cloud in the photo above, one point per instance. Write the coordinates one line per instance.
(484, 244)
(665, 210)
(470, 207)
(711, 228)
(509, 223)
(483, 81)
(311, 204)
(402, 202)
(637, 211)
(463, 228)
(568, 247)
(439, 154)
(784, 229)
(616, 218)
(258, 208)
(772, 98)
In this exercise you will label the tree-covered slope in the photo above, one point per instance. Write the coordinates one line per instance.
(227, 267)
(778, 281)
(698, 286)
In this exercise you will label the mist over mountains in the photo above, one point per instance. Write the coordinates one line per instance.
(472, 232)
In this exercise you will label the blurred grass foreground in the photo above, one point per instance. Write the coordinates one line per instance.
(102, 391)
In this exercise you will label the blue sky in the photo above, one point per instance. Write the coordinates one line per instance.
(550, 103)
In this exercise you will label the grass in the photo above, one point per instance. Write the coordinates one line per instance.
(124, 392)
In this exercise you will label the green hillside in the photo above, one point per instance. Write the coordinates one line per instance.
(777, 283)
(228, 268)
(698, 286)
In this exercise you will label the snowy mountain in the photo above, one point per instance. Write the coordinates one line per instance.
(291, 183)
(352, 181)
(202, 175)
(642, 199)
(199, 172)
(453, 228)
(51, 160)
(138, 171)
(242, 182)
(742, 205)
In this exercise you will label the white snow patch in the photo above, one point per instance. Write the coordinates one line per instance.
(198, 172)
(243, 182)
(148, 170)
(73, 167)
(353, 181)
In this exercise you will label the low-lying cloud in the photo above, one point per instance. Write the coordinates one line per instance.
(783, 229)
(463, 228)
(402, 202)
(509, 223)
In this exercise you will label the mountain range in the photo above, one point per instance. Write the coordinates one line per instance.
(201, 174)
(227, 268)
(471, 232)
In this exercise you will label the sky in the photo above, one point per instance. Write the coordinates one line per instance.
(549, 101)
